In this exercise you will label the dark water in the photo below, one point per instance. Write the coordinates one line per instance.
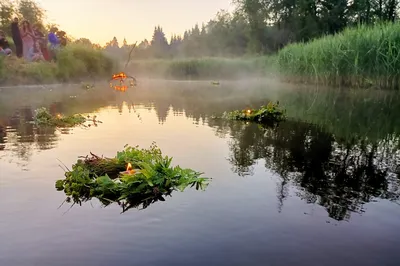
(319, 189)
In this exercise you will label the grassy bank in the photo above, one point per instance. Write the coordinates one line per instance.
(74, 63)
(359, 57)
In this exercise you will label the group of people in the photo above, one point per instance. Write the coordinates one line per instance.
(31, 43)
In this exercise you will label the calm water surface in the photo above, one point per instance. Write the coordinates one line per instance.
(320, 191)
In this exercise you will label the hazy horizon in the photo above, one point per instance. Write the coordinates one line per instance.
(100, 20)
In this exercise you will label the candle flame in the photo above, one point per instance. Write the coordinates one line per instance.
(120, 75)
(120, 88)
(129, 167)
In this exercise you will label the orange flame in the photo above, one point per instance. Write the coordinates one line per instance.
(120, 88)
(120, 75)
(129, 167)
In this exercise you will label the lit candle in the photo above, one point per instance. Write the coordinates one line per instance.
(129, 170)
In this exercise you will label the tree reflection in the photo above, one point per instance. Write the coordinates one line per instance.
(20, 135)
(350, 158)
(340, 176)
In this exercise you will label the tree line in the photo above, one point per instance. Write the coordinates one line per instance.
(255, 27)
(274, 23)
(263, 27)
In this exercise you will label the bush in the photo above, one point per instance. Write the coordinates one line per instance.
(76, 61)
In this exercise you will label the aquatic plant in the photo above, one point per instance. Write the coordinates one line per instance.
(134, 177)
(43, 117)
(270, 113)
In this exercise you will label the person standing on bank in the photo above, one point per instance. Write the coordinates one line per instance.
(16, 36)
(27, 37)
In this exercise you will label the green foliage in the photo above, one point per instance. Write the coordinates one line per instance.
(152, 178)
(364, 56)
(263, 27)
(303, 20)
(30, 11)
(267, 114)
(43, 117)
(24, 9)
(81, 60)
(6, 15)
(225, 35)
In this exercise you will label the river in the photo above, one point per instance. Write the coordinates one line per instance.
(319, 189)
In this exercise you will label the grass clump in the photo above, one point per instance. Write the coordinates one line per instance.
(148, 178)
(44, 118)
(366, 56)
(267, 114)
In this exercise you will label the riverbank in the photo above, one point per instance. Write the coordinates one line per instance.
(74, 64)
(364, 57)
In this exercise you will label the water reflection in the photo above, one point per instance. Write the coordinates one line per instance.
(20, 133)
(340, 176)
(343, 153)
(141, 203)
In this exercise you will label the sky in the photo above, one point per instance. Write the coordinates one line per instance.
(101, 20)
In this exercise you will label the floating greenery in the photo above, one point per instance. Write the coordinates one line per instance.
(133, 178)
(269, 113)
(45, 118)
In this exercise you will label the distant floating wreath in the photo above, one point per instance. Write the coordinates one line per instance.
(118, 81)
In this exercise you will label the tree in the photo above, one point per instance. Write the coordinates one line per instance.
(84, 41)
(265, 26)
(6, 16)
(159, 44)
(114, 43)
(30, 11)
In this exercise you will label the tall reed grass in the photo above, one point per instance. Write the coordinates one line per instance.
(358, 57)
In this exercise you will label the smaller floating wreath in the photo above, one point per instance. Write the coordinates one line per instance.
(133, 178)
(270, 113)
(44, 118)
